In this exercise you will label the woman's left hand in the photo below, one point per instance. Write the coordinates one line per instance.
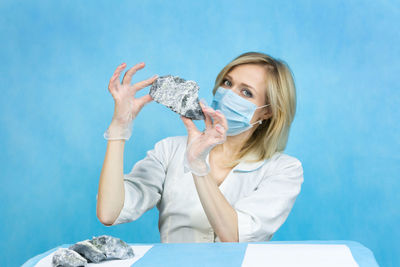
(200, 143)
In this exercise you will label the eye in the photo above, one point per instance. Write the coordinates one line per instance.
(246, 92)
(224, 82)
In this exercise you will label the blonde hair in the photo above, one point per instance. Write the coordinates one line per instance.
(272, 135)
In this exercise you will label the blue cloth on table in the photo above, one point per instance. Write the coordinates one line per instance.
(217, 254)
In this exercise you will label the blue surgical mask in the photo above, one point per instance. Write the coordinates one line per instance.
(237, 110)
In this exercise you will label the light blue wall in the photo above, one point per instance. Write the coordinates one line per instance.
(58, 56)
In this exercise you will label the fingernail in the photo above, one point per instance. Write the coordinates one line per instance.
(155, 76)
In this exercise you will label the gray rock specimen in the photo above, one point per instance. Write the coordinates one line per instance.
(96, 250)
(112, 247)
(89, 251)
(64, 257)
(179, 95)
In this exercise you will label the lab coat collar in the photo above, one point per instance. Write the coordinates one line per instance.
(248, 166)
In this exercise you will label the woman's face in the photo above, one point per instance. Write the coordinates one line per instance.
(249, 81)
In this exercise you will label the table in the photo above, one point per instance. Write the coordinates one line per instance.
(218, 254)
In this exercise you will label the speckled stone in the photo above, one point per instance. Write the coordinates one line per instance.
(112, 247)
(89, 251)
(179, 95)
(65, 257)
(101, 248)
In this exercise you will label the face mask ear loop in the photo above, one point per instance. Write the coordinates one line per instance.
(263, 106)
(259, 122)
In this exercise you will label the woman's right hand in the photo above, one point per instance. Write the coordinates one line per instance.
(127, 106)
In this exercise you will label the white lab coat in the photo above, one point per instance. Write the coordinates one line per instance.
(262, 193)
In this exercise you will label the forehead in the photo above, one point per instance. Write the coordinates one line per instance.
(251, 74)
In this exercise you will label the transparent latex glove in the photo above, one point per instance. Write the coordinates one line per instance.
(126, 106)
(199, 144)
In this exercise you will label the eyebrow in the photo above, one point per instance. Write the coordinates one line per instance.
(227, 76)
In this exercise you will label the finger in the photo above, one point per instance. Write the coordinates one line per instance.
(189, 124)
(221, 119)
(128, 75)
(207, 120)
(144, 100)
(115, 78)
(216, 117)
(220, 129)
(140, 85)
(210, 112)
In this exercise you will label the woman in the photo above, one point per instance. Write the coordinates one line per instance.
(230, 183)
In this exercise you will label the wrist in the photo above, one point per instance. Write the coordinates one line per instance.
(197, 166)
(118, 131)
(122, 118)
(120, 124)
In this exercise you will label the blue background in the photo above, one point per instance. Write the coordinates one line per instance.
(58, 56)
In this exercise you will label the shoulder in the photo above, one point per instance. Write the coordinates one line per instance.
(173, 141)
(285, 165)
(281, 159)
(171, 144)
(167, 148)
